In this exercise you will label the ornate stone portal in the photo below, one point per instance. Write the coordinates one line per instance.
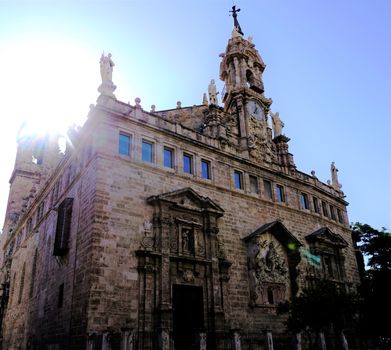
(272, 257)
(180, 257)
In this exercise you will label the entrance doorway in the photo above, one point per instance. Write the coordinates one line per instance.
(188, 316)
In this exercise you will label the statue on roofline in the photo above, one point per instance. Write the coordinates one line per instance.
(106, 67)
(277, 123)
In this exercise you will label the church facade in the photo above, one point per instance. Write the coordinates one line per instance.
(176, 229)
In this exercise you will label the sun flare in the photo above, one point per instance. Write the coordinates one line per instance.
(52, 84)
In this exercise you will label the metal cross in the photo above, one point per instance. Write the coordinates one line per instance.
(234, 12)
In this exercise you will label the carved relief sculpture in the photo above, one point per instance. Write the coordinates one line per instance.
(268, 270)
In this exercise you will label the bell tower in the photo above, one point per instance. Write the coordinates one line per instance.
(241, 70)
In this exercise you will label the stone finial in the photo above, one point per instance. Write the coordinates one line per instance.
(334, 177)
(153, 109)
(313, 173)
(277, 123)
(138, 101)
(212, 91)
(178, 104)
(205, 100)
(106, 72)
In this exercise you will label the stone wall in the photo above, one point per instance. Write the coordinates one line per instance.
(100, 276)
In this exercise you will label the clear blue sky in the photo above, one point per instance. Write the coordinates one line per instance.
(328, 73)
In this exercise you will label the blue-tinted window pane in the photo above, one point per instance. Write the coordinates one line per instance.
(124, 144)
(205, 169)
(168, 158)
(280, 193)
(147, 152)
(187, 164)
(238, 179)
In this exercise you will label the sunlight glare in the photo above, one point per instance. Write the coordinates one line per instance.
(52, 84)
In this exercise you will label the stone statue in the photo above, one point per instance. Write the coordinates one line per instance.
(212, 93)
(106, 68)
(106, 72)
(334, 177)
(277, 123)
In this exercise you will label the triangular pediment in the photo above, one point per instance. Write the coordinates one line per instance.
(188, 199)
(325, 235)
(279, 231)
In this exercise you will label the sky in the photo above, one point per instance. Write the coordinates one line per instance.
(328, 71)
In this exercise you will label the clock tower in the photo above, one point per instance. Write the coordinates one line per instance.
(241, 70)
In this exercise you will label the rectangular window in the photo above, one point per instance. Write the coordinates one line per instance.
(168, 157)
(147, 151)
(29, 225)
(21, 286)
(33, 273)
(187, 163)
(280, 193)
(124, 143)
(332, 213)
(324, 209)
(254, 184)
(267, 185)
(40, 211)
(316, 205)
(304, 201)
(340, 217)
(63, 227)
(56, 191)
(238, 178)
(60, 296)
(205, 169)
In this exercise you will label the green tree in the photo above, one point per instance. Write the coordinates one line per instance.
(318, 307)
(375, 245)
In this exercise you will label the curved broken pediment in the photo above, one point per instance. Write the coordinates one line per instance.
(326, 236)
(187, 198)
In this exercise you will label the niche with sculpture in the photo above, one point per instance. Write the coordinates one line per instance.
(271, 265)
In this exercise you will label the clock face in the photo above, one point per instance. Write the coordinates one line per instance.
(255, 110)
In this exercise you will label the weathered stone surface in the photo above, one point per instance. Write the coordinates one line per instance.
(140, 231)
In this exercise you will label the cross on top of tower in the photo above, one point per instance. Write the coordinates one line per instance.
(234, 12)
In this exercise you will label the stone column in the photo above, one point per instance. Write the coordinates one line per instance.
(202, 341)
(90, 342)
(237, 72)
(269, 340)
(344, 341)
(298, 341)
(127, 342)
(237, 345)
(322, 341)
(105, 341)
(164, 340)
